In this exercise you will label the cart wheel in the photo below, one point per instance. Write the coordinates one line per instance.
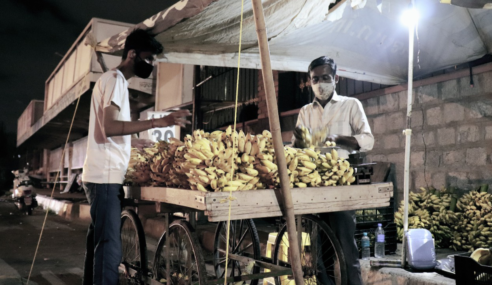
(134, 249)
(244, 241)
(185, 256)
(327, 266)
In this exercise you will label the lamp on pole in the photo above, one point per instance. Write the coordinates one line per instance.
(409, 18)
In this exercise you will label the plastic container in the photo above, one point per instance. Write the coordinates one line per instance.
(379, 242)
(421, 252)
(390, 236)
(469, 272)
(366, 247)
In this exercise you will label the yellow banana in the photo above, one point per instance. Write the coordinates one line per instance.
(309, 164)
(293, 164)
(266, 134)
(254, 146)
(311, 153)
(269, 164)
(263, 169)
(334, 154)
(245, 177)
(201, 188)
(252, 172)
(195, 161)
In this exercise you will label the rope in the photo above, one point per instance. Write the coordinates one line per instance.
(53, 190)
(234, 141)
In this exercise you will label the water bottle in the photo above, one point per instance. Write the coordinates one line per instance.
(366, 247)
(379, 242)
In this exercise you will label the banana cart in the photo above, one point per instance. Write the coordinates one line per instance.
(179, 258)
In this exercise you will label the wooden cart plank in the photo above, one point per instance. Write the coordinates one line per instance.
(251, 213)
(264, 203)
(179, 197)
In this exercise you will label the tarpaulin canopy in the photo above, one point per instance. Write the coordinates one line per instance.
(365, 37)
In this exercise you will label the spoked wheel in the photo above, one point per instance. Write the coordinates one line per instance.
(322, 259)
(133, 266)
(185, 256)
(243, 241)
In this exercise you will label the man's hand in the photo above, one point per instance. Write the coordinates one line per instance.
(175, 118)
(333, 138)
(141, 143)
(299, 142)
(347, 141)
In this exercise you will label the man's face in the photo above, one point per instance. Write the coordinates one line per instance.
(147, 56)
(143, 64)
(322, 82)
(322, 74)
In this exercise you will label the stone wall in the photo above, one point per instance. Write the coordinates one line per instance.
(451, 132)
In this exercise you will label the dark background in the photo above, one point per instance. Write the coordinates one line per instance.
(34, 36)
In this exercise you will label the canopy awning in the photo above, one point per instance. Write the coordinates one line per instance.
(365, 37)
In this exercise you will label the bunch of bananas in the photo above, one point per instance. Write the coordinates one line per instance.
(430, 209)
(316, 138)
(138, 172)
(474, 228)
(230, 161)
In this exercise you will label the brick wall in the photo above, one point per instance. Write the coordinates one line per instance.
(452, 132)
(262, 105)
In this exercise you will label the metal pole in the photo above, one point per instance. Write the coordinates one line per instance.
(288, 206)
(408, 135)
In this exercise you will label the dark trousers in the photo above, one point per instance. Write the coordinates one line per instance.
(103, 247)
(343, 225)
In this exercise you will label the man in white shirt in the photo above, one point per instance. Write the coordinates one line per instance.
(347, 125)
(108, 154)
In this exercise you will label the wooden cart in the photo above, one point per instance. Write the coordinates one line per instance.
(179, 255)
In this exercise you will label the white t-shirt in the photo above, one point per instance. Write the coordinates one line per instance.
(107, 157)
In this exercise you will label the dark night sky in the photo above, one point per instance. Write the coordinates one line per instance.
(35, 34)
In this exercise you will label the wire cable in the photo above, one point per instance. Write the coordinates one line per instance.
(53, 190)
(234, 141)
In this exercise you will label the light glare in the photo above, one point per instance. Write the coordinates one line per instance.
(410, 17)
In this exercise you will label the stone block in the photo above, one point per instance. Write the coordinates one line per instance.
(429, 138)
(453, 112)
(417, 158)
(476, 156)
(392, 141)
(434, 158)
(468, 133)
(378, 143)
(427, 94)
(421, 179)
(402, 99)
(379, 126)
(371, 106)
(438, 179)
(448, 89)
(488, 132)
(377, 158)
(467, 90)
(388, 103)
(434, 116)
(480, 109)
(396, 121)
(417, 118)
(453, 156)
(398, 159)
(446, 136)
(458, 179)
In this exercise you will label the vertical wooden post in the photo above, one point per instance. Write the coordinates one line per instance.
(288, 205)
